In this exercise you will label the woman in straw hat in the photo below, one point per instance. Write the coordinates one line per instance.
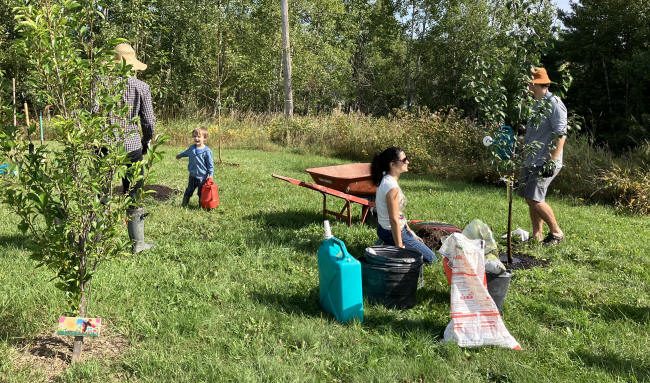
(138, 96)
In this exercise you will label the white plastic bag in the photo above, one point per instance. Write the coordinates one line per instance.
(518, 233)
(493, 264)
(477, 229)
(475, 319)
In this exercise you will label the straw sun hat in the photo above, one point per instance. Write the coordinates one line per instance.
(540, 76)
(126, 52)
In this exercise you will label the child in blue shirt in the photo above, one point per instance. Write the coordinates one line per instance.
(200, 165)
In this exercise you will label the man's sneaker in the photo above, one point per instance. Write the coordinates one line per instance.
(552, 239)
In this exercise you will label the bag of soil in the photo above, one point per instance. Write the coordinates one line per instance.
(475, 318)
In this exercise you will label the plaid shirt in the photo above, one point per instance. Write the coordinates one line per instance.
(138, 96)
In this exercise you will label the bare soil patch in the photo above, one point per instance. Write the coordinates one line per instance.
(159, 192)
(51, 354)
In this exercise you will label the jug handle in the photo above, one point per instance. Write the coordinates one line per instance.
(340, 244)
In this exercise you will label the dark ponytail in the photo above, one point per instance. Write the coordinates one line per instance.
(381, 163)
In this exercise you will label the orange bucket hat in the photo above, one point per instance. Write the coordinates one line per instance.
(126, 52)
(540, 76)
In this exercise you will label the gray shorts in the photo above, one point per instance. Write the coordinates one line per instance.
(533, 186)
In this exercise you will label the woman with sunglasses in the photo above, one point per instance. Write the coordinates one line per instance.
(392, 227)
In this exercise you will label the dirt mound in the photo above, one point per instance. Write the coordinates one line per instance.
(159, 192)
(432, 236)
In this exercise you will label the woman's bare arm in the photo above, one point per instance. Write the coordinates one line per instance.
(392, 201)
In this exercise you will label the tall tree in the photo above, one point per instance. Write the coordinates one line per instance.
(485, 45)
(11, 64)
(286, 60)
(378, 56)
(371, 55)
(607, 42)
(321, 55)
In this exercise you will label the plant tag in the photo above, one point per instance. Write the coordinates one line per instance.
(78, 326)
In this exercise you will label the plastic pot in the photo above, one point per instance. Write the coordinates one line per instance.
(497, 285)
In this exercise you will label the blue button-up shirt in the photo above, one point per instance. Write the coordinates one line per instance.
(200, 163)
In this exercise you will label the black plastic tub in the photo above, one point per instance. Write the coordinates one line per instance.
(390, 276)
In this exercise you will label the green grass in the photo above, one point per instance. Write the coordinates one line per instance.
(232, 295)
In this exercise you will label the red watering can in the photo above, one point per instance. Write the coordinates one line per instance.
(209, 194)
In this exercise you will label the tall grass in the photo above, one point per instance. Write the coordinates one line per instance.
(444, 145)
(441, 144)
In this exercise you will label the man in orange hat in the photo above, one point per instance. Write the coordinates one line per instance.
(138, 96)
(545, 136)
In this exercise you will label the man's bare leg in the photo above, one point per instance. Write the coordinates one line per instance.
(543, 213)
(536, 221)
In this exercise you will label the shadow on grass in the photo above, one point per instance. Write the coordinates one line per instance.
(287, 219)
(393, 319)
(307, 304)
(389, 321)
(302, 303)
(50, 347)
(610, 312)
(18, 241)
(432, 296)
(614, 364)
(297, 219)
(607, 312)
(282, 226)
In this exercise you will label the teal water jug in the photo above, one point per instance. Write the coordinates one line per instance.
(339, 277)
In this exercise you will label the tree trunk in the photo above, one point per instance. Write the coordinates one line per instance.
(609, 96)
(219, 74)
(409, 59)
(79, 340)
(13, 84)
(509, 232)
(286, 61)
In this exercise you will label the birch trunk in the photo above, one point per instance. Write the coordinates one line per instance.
(286, 61)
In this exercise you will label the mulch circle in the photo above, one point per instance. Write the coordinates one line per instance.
(51, 354)
(160, 192)
(432, 237)
(521, 261)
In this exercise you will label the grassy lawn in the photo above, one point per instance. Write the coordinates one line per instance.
(232, 295)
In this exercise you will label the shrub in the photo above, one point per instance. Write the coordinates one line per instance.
(631, 188)
(583, 162)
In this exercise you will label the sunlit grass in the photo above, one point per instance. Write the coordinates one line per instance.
(232, 294)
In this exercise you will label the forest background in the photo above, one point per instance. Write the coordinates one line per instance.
(388, 63)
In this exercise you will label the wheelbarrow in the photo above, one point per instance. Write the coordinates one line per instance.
(349, 182)
(352, 179)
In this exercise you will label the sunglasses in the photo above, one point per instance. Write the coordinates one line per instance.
(403, 160)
